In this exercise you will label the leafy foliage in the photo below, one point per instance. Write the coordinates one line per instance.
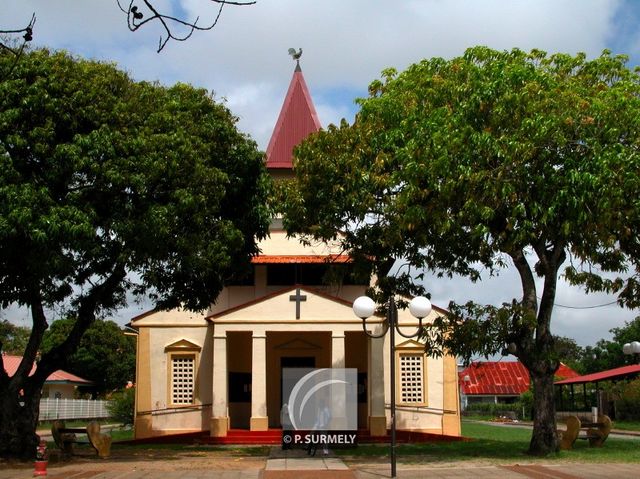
(495, 409)
(607, 354)
(570, 353)
(489, 160)
(105, 356)
(108, 186)
(13, 339)
(628, 406)
(121, 406)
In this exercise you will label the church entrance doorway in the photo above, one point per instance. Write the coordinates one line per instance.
(292, 349)
(304, 363)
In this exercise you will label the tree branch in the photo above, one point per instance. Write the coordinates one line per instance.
(529, 299)
(26, 37)
(552, 260)
(137, 19)
(88, 306)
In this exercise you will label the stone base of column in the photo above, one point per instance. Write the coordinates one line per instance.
(143, 428)
(219, 426)
(378, 425)
(451, 425)
(259, 423)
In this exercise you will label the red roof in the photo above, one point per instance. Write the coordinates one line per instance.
(603, 375)
(500, 378)
(11, 364)
(300, 259)
(297, 120)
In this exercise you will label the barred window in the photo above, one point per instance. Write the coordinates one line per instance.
(411, 378)
(182, 379)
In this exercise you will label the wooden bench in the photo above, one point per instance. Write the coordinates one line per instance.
(65, 438)
(595, 432)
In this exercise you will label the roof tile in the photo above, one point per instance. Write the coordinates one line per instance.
(12, 362)
(297, 120)
(500, 378)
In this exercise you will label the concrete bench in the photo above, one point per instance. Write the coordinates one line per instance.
(594, 432)
(65, 438)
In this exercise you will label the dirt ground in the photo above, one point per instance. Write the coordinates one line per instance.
(131, 458)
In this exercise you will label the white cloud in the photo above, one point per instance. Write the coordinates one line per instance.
(346, 44)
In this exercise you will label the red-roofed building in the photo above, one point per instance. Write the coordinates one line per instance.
(60, 384)
(498, 381)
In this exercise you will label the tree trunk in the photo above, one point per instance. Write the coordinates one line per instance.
(544, 439)
(18, 421)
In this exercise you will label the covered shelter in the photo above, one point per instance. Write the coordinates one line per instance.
(587, 398)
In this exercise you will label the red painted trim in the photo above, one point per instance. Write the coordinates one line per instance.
(302, 259)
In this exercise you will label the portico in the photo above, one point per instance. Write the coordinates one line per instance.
(255, 350)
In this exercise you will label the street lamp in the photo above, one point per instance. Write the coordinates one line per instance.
(364, 307)
(632, 348)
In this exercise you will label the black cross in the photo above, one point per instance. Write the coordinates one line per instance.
(297, 298)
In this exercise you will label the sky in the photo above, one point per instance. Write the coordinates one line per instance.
(346, 44)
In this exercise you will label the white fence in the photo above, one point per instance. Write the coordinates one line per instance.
(51, 409)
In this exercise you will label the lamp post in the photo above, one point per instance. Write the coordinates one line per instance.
(632, 348)
(364, 307)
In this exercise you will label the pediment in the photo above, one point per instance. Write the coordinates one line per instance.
(292, 305)
(182, 345)
(410, 344)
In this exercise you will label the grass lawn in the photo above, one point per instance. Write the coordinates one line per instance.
(627, 425)
(490, 443)
(496, 444)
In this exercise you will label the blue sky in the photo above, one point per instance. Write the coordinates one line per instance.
(346, 44)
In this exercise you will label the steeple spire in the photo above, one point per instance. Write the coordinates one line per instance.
(297, 120)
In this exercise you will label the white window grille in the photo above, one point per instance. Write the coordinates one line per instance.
(411, 378)
(182, 379)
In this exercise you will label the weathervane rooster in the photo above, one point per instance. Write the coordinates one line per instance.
(295, 55)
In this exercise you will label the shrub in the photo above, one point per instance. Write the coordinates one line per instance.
(492, 409)
(628, 406)
(121, 406)
(526, 404)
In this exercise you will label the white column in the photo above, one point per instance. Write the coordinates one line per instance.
(259, 419)
(377, 416)
(338, 409)
(219, 415)
(337, 349)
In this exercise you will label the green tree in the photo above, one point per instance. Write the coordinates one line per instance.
(607, 354)
(105, 355)
(569, 352)
(13, 339)
(109, 186)
(494, 159)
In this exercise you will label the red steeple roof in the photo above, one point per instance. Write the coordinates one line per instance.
(297, 120)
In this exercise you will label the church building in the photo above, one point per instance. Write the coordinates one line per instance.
(221, 370)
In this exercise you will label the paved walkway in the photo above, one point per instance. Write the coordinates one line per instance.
(334, 468)
(319, 468)
(297, 465)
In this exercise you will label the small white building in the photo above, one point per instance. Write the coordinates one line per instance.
(59, 385)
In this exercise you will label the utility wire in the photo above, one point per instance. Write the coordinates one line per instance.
(584, 307)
